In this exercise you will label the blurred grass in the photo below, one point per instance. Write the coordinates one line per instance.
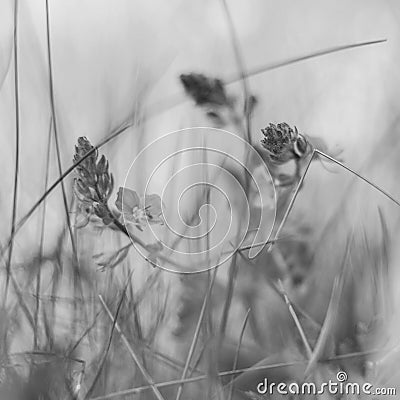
(209, 345)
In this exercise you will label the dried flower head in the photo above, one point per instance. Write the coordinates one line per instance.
(139, 211)
(283, 143)
(204, 90)
(94, 184)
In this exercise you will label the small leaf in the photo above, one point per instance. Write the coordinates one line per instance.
(102, 165)
(127, 199)
(283, 180)
(155, 247)
(81, 221)
(111, 259)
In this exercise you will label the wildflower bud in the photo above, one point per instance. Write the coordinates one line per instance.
(110, 186)
(105, 185)
(94, 184)
(102, 165)
(81, 150)
(87, 177)
(204, 90)
(82, 192)
(283, 143)
(102, 211)
(250, 104)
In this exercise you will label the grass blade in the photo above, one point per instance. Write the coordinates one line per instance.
(196, 333)
(257, 367)
(17, 149)
(108, 346)
(296, 321)
(235, 362)
(132, 353)
(315, 54)
(330, 317)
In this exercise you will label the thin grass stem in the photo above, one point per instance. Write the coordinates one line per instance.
(17, 147)
(196, 333)
(134, 356)
(235, 362)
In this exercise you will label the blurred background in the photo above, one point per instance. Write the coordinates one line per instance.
(119, 63)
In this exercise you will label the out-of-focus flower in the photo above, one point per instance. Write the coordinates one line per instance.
(204, 90)
(94, 184)
(284, 144)
(219, 106)
(139, 211)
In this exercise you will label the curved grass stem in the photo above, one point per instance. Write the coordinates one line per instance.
(300, 183)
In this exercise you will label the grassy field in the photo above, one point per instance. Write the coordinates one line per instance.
(198, 199)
